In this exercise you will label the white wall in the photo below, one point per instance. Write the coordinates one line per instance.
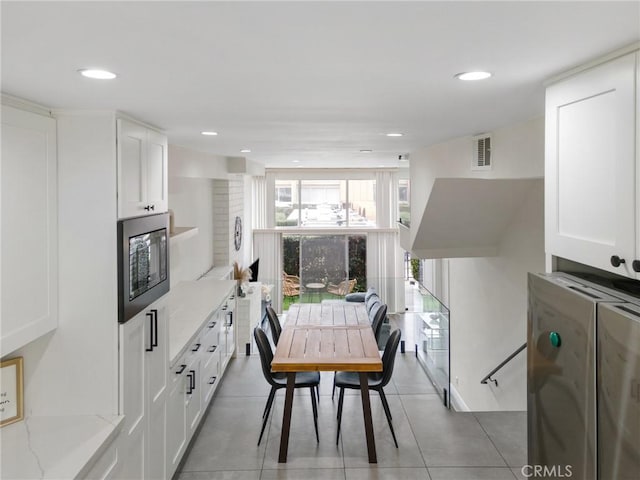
(192, 201)
(487, 296)
(488, 299)
(74, 370)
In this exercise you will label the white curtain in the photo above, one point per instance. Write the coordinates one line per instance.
(384, 268)
(267, 245)
(386, 198)
(259, 200)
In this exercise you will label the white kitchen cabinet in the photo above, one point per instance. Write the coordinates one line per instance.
(144, 389)
(29, 282)
(210, 358)
(176, 417)
(591, 167)
(107, 466)
(142, 170)
(248, 310)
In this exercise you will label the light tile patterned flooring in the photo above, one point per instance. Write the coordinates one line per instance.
(434, 443)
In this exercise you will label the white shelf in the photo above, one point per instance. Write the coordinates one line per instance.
(182, 233)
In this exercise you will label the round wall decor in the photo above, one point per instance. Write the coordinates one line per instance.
(237, 234)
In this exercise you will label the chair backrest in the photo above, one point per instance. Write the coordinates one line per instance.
(371, 301)
(370, 291)
(274, 324)
(389, 356)
(343, 288)
(266, 354)
(377, 315)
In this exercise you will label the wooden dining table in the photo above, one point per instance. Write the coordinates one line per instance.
(327, 337)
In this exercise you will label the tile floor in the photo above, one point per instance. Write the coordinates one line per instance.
(434, 443)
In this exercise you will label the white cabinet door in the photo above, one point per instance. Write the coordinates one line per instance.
(590, 166)
(132, 194)
(157, 169)
(133, 342)
(142, 170)
(157, 369)
(193, 396)
(176, 417)
(29, 282)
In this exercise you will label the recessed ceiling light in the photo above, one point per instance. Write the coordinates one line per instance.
(366, 150)
(210, 133)
(295, 161)
(394, 134)
(97, 74)
(472, 75)
(245, 150)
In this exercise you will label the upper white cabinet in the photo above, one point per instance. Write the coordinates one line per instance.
(591, 167)
(142, 170)
(29, 284)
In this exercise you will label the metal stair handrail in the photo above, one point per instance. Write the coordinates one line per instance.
(488, 378)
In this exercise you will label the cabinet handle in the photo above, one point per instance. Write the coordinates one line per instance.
(212, 324)
(193, 380)
(212, 348)
(182, 367)
(196, 348)
(153, 207)
(636, 266)
(616, 261)
(190, 383)
(151, 328)
(212, 381)
(155, 327)
(147, 208)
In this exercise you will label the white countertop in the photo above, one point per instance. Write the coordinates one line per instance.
(190, 304)
(54, 447)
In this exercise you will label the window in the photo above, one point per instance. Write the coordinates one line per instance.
(314, 266)
(325, 203)
(286, 203)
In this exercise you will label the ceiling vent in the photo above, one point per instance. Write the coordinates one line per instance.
(482, 159)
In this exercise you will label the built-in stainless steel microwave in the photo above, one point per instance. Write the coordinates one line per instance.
(143, 263)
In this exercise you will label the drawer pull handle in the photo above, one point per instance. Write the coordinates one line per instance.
(212, 348)
(212, 324)
(212, 381)
(196, 347)
(182, 367)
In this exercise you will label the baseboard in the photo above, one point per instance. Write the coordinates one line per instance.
(457, 402)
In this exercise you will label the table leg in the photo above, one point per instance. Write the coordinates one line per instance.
(366, 412)
(286, 418)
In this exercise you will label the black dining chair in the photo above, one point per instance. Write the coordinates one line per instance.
(278, 380)
(376, 381)
(377, 315)
(274, 324)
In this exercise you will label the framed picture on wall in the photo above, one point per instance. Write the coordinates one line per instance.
(11, 391)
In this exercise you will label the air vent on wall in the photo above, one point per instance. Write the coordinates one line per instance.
(482, 152)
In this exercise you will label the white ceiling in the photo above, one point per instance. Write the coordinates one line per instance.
(309, 81)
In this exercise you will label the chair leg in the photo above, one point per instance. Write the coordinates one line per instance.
(385, 405)
(388, 414)
(267, 410)
(340, 402)
(333, 392)
(315, 412)
(269, 401)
